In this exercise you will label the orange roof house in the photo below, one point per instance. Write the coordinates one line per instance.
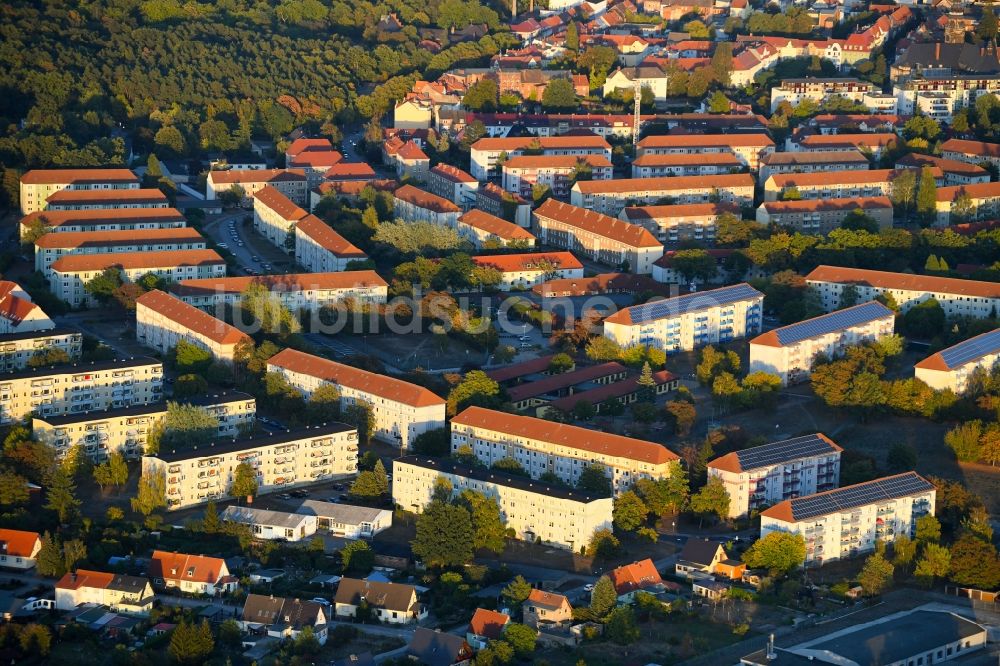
(191, 573)
(19, 548)
(486, 625)
(635, 577)
(543, 608)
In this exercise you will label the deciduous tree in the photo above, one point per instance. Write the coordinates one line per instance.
(444, 535)
(776, 551)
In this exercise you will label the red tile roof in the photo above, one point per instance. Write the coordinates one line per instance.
(555, 161)
(425, 200)
(564, 380)
(279, 203)
(529, 261)
(181, 566)
(972, 190)
(846, 177)
(80, 176)
(70, 218)
(598, 284)
(411, 151)
(452, 173)
(84, 578)
(192, 318)
(79, 239)
(583, 439)
(601, 394)
(324, 236)
(291, 282)
(946, 165)
(596, 223)
(84, 197)
(515, 370)
(18, 543)
(546, 142)
(236, 176)
(383, 386)
(979, 148)
(904, 282)
(680, 210)
(687, 159)
(635, 576)
(548, 599)
(136, 260)
(488, 624)
(350, 171)
(14, 308)
(492, 224)
(316, 159)
(862, 139)
(308, 145)
(353, 188)
(666, 184)
(825, 205)
(705, 140)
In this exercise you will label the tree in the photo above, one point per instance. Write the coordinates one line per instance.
(488, 530)
(210, 523)
(103, 286)
(74, 551)
(927, 195)
(517, 590)
(170, 141)
(244, 481)
(876, 574)
(603, 349)
(902, 457)
(978, 523)
(924, 320)
(696, 29)
(48, 356)
(903, 550)
(366, 486)
(560, 363)
(522, 638)
(963, 208)
(62, 495)
(50, 561)
(484, 95)
(857, 220)
(694, 265)
(361, 415)
(190, 385)
(357, 556)
(572, 37)
(509, 466)
(267, 311)
(306, 643)
(559, 96)
(779, 552)
(718, 102)
(436, 442)
(36, 639)
(934, 563)
(184, 425)
(974, 563)
(603, 544)
(13, 489)
(682, 415)
(323, 404)
(987, 28)
(629, 511)
(620, 626)
(712, 499)
(904, 189)
(444, 535)
(603, 598)
(152, 493)
(477, 389)
(928, 529)
(964, 439)
(594, 479)
(190, 644)
(663, 495)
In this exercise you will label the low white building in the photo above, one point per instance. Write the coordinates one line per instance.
(415, 205)
(952, 368)
(346, 520)
(271, 525)
(626, 78)
(818, 90)
(162, 320)
(120, 593)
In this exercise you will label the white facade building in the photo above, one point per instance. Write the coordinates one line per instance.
(50, 247)
(295, 291)
(952, 368)
(320, 249)
(162, 320)
(38, 185)
(275, 216)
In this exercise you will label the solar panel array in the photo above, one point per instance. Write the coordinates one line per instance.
(890, 487)
(783, 451)
(835, 321)
(971, 349)
(702, 300)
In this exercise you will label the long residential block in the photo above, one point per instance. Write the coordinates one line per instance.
(610, 196)
(281, 460)
(813, 162)
(973, 152)
(963, 203)
(275, 216)
(38, 185)
(487, 231)
(837, 184)
(684, 164)
(402, 410)
(162, 320)
(535, 511)
(686, 322)
(749, 148)
(848, 521)
(413, 204)
(821, 216)
(17, 349)
(952, 368)
(455, 185)
(51, 247)
(63, 221)
(681, 222)
(485, 153)
(321, 249)
(556, 172)
(522, 271)
(113, 199)
(297, 291)
(292, 183)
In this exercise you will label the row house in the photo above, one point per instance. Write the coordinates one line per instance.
(610, 197)
(114, 199)
(952, 368)
(412, 204)
(750, 149)
(836, 184)
(821, 216)
(37, 185)
(487, 231)
(955, 172)
(523, 271)
(297, 292)
(681, 222)
(275, 217)
(540, 392)
(50, 247)
(453, 184)
(964, 203)
(162, 321)
(624, 393)
(604, 239)
(131, 219)
(835, 123)
(17, 349)
(556, 172)
(485, 154)
(851, 159)
(677, 164)
(320, 249)
(292, 183)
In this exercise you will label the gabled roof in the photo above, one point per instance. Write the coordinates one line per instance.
(904, 281)
(700, 551)
(388, 596)
(528, 261)
(706, 140)
(593, 222)
(83, 197)
(76, 263)
(496, 226)
(303, 145)
(452, 173)
(635, 576)
(125, 237)
(279, 203)
(963, 353)
(78, 176)
(18, 543)
(100, 580)
(350, 171)
(181, 566)
(236, 176)
(278, 283)
(426, 200)
(547, 599)
(839, 320)
(971, 190)
(978, 148)
(678, 305)
(665, 183)
(15, 306)
(546, 142)
(73, 218)
(825, 205)
(680, 210)
(487, 623)
(438, 648)
(564, 380)
(192, 318)
(324, 235)
(773, 453)
(849, 497)
(283, 612)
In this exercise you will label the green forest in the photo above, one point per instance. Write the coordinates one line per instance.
(78, 78)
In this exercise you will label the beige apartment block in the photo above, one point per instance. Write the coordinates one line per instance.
(821, 216)
(837, 184)
(954, 367)
(542, 446)
(275, 216)
(972, 152)
(162, 320)
(129, 219)
(556, 516)
(453, 184)
(321, 249)
(402, 410)
(872, 143)
(292, 183)
(16, 349)
(415, 205)
(126, 430)
(297, 291)
(984, 199)
(38, 185)
(50, 247)
(282, 461)
(748, 148)
(487, 231)
(685, 164)
(84, 387)
(523, 271)
(851, 159)
(485, 153)
(116, 199)
(556, 172)
(610, 196)
(680, 222)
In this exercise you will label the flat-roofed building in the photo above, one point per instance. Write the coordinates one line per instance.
(17, 349)
(486, 152)
(415, 205)
(847, 521)
(956, 172)
(50, 247)
(162, 320)
(38, 185)
(346, 520)
(973, 152)
(750, 148)
(684, 164)
(836, 184)
(821, 216)
(680, 222)
(872, 143)
(542, 446)
(610, 196)
(126, 429)
(954, 367)
(523, 271)
(271, 525)
(980, 201)
(321, 249)
(129, 219)
(84, 387)
(114, 199)
(292, 183)
(453, 184)
(790, 351)
(487, 231)
(275, 216)
(818, 90)
(602, 238)
(557, 172)
(70, 273)
(535, 511)
(687, 322)
(296, 291)
(851, 159)
(402, 411)
(281, 460)
(18, 314)
(959, 298)
(770, 473)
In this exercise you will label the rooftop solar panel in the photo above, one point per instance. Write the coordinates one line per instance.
(971, 349)
(857, 495)
(783, 451)
(702, 300)
(835, 321)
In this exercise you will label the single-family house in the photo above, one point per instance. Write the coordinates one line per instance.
(438, 648)
(699, 558)
(19, 548)
(393, 603)
(195, 574)
(636, 577)
(546, 609)
(485, 626)
(281, 617)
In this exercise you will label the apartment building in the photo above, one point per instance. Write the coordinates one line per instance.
(535, 511)
(162, 320)
(493, 199)
(115, 199)
(487, 231)
(296, 291)
(292, 183)
(315, 164)
(952, 368)
(117, 592)
(402, 411)
(665, 270)
(851, 159)
(453, 184)
(415, 205)
(958, 298)
(18, 314)
(749, 148)
(848, 521)
(407, 158)
(485, 153)
(971, 152)
(836, 184)
(129, 219)
(609, 197)
(955, 172)
(686, 322)
(940, 94)
(961, 203)
(523, 271)
(542, 446)
(818, 90)
(680, 222)
(282, 460)
(70, 273)
(556, 172)
(126, 430)
(38, 185)
(50, 247)
(790, 351)
(821, 216)
(320, 249)
(602, 238)
(684, 164)
(871, 143)
(71, 389)
(16, 349)
(275, 216)
(770, 473)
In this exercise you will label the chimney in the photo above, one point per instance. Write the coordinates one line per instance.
(937, 51)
